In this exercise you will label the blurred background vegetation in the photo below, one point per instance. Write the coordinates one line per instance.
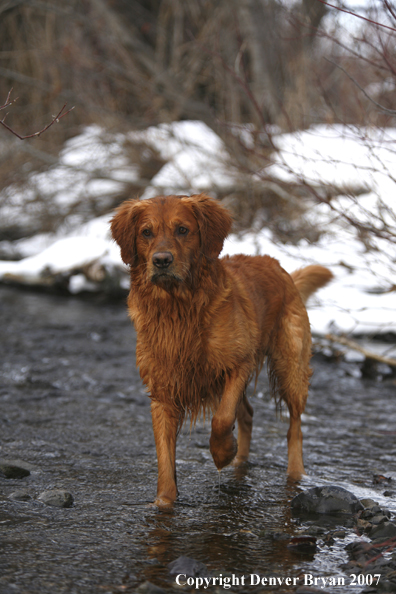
(127, 64)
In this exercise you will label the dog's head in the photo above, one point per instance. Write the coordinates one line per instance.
(165, 236)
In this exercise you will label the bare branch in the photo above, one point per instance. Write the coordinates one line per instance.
(8, 101)
(56, 119)
(358, 16)
(391, 112)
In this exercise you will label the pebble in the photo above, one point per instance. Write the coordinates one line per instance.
(367, 557)
(339, 533)
(303, 544)
(385, 530)
(20, 496)
(368, 503)
(363, 525)
(56, 498)
(188, 566)
(315, 530)
(366, 515)
(378, 519)
(13, 469)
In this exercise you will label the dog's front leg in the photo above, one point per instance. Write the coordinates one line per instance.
(223, 445)
(165, 426)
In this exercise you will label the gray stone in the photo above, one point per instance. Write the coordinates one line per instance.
(384, 530)
(315, 530)
(379, 519)
(14, 469)
(339, 534)
(56, 498)
(326, 500)
(20, 496)
(367, 514)
(187, 566)
(368, 503)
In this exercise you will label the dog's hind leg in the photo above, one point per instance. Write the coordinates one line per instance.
(245, 424)
(165, 426)
(295, 466)
(290, 373)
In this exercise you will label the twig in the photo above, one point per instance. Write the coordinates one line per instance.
(356, 347)
(56, 119)
(8, 101)
(358, 16)
(391, 112)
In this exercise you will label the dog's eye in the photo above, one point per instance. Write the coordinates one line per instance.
(147, 232)
(182, 231)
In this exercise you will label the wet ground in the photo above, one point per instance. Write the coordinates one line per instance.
(73, 409)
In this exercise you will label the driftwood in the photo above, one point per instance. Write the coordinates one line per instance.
(356, 347)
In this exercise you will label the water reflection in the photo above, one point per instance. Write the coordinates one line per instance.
(236, 532)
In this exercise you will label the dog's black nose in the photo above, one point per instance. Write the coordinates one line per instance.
(162, 259)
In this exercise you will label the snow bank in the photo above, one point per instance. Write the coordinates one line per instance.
(356, 302)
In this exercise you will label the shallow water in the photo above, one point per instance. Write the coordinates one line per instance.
(72, 406)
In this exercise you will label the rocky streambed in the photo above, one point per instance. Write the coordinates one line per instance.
(78, 472)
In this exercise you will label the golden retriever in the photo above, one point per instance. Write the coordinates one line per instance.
(206, 324)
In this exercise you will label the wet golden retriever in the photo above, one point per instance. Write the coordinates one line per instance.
(206, 324)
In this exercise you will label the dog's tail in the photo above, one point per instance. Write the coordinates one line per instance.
(310, 279)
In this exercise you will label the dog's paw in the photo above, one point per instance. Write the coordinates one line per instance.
(295, 475)
(240, 461)
(163, 502)
(223, 449)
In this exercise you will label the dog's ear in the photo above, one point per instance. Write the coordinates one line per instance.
(214, 222)
(123, 228)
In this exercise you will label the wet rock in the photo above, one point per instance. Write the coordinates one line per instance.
(380, 565)
(368, 503)
(385, 530)
(380, 479)
(187, 566)
(315, 530)
(56, 498)
(326, 500)
(361, 551)
(303, 544)
(379, 519)
(339, 533)
(367, 558)
(367, 514)
(149, 588)
(364, 525)
(329, 540)
(14, 469)
(20, 496)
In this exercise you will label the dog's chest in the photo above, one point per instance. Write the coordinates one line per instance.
(176, 353)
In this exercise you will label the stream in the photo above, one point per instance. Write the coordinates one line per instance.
(74, 412)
